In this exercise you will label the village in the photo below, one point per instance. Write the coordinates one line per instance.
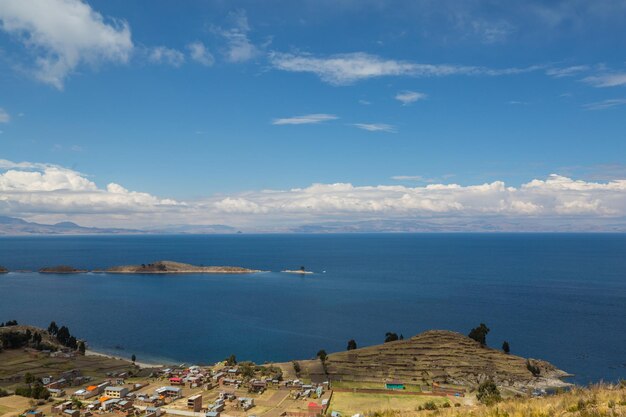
(221, 390)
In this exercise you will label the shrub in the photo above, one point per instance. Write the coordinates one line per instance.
(430, 405)
(488, 393)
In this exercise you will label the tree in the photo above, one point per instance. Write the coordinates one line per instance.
(401, 336)
(53, 329)
(82, 349)
(534, 369)
(390, 337)
(322, 355)
(351, 344)
(296, 368)
(133, 358)
(488, 393)
(29, 378)
(231, 360)
(479, 334)
(505, 347)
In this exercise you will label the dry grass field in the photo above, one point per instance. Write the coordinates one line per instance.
(350, 403)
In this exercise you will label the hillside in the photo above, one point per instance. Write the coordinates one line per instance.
(436, 356)
(170, 267)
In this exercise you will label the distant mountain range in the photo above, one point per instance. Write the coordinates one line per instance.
(16, 226)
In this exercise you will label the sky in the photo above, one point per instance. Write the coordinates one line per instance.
(266, 115)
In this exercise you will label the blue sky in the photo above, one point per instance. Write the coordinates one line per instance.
(205, 100)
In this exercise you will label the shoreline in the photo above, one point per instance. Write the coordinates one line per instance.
(142, 365)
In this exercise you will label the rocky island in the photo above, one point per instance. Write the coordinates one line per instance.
(61, 269)
(170, 267)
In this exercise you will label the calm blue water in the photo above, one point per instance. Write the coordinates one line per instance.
(557, 297)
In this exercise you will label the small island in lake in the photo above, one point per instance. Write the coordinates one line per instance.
(302, 270)
(170, 267)
(3, 270)
(61, 269)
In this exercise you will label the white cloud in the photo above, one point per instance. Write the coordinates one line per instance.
(605, 104)
(165, 55)
(341, 69)
(240, 48)
(4, 116)
(51, 192)
(567, 71)
(407, 97)
(200, 54)
(554, 196)
(375, 127)
(62, 34)
(305, 119)
(29, 188)
(607, 80)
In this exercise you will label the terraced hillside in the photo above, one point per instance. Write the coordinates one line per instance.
(436, 356)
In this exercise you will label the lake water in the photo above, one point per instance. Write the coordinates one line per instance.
(559, 297)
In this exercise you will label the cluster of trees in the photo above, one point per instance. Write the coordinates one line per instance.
(33, 388)
(63, 336)
(9, 323)
(392, 337)
(479, 334)
(16, 339)
(351, 344)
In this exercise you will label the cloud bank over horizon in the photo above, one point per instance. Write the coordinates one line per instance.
(47, 192)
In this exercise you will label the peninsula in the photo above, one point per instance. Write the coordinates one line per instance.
(170, 267)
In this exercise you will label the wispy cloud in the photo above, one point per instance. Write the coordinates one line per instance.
(165, 55)
(199, 53)
(376, 127)
(239, 46)
(605, 104)
(567, 71)
(607, 80)
(62, 34)
(407, 97)
(305, 119)
(4, 116)
(341, 69)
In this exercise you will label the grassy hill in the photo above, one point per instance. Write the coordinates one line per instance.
(435, 356)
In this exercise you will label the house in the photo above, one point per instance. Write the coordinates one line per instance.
(116, 392)
(194, 403)
(212, 414)
(245, 403)
(71, 413)
(176, 381)
(55, 392)
(58, 409)
(34, 413)
(169, 392)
